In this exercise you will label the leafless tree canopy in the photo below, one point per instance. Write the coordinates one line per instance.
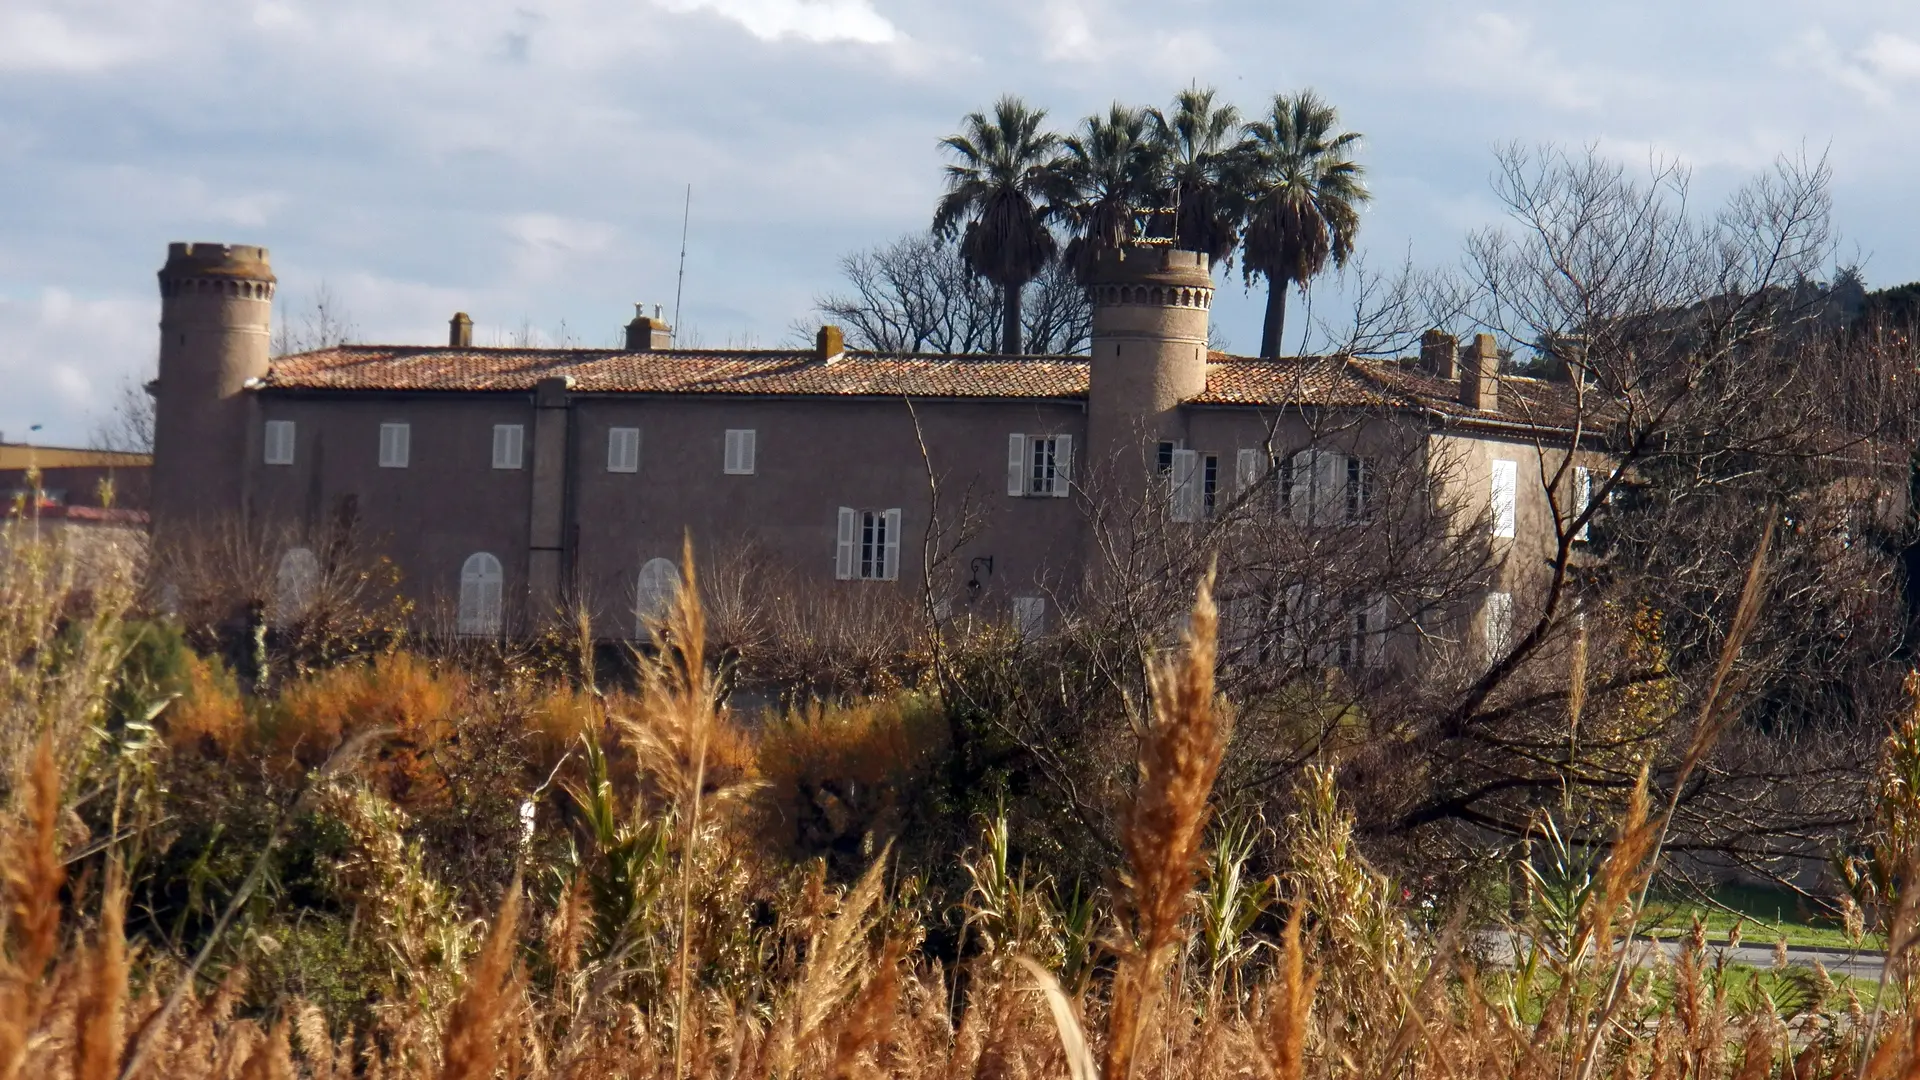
(321, 323)
(916, 294)
(1699, 353)
(128, 423)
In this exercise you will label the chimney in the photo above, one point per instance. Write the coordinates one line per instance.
(829, 344)
(1479, 375)
(460, 331)
(1440, 354)
(648, 333)
(1567, 357)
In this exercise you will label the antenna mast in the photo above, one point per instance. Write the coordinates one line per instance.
(680, 283)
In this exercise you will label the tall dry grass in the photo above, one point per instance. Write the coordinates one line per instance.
(661, 938)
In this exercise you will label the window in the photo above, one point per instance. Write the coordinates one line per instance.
(623, 449)
(295, 584)
(1359, 489)
(279, 442)
(1209, 483)
(1163, 456)
(1029, 616)
(659, 583)
(1365, 642)
(480, 596)
(508, 441)
(393, 445)
(1247, 467)
(1039, 464)
(1506, 481)
(739, 459)
(868, 547)
(1582, 499)
(1324, 487)
(1498, 612)
(1184, 486)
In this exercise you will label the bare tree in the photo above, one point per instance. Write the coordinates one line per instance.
(321, 323)
(916, 294)
(128, 424)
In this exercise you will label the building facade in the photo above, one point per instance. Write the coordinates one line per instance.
(505, 483)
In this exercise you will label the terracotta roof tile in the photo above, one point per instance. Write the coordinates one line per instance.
(1326, 381)
(689, 371)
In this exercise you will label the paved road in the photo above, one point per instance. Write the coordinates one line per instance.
(1863, 965)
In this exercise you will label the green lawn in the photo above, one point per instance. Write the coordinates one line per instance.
(1764, 915)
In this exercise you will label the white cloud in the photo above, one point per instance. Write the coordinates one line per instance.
(1874, 71)
(809, 20)
(547, 243)
(44, 41)
(1502, 55)
(65, 354)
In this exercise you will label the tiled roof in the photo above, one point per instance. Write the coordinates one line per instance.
(358, 367)
(1327, 381)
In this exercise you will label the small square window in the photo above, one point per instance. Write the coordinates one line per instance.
(279, 442)
(508, 442)
(394, 445)
(623, 449)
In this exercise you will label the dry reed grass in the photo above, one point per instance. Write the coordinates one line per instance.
(728, 966)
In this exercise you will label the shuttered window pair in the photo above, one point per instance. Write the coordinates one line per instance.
(1039, 465)
(278, 442)
(395, 440)
(739, 453)
(509, 442)
(868, 547)
(1325, 487)
(623, 449)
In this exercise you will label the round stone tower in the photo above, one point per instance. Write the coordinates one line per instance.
(216, 302)
(1149, 348)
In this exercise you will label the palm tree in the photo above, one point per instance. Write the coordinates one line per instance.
(999, 185)
(1200, 188)
(1107, 170)
(1305, 192)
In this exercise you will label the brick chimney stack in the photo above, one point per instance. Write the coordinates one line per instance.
(1480, 375)
(1440, 354)
(648, 333)
(460, 331)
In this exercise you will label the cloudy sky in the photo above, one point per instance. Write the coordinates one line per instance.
(526, 161)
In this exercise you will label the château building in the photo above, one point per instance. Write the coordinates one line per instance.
(504, 481)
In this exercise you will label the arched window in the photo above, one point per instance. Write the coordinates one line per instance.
(480, 596)
(659, 583)
(295, 585)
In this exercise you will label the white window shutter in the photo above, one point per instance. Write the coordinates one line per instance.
(1329, 487)
(847, 549)
(747, 450)
(1499, 625)
(1016, 464)
(890, 563)
(730, 458)
(1506, 478)
(1296, 486)
(1582, 497)
(490, 604)
(1186, 485)
(1062, 464)
(1376, 645)
(1246, 470)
